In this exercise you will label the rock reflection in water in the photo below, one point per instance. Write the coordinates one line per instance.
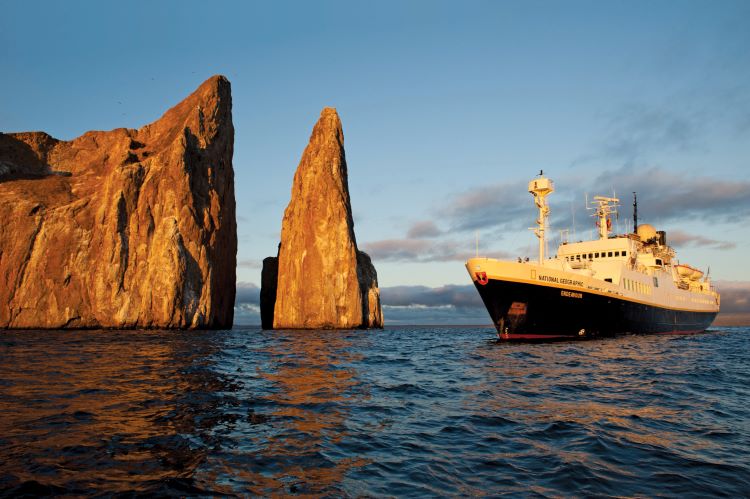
(303, 417)
(104, 410)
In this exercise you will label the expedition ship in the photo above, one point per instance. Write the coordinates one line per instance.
(616, 284)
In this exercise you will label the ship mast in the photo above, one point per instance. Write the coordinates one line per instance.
(605, 207)
(540, 188)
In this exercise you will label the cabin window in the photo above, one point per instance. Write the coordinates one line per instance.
(591, 256)
(609, 253)
(617, 253)
(658, 261)
(578, 257)
(596, 255)
(608, 279)
(624, 253)
(656, 280)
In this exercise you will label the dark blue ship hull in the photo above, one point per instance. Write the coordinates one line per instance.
(522, 311)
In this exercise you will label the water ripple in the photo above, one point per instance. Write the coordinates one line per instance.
(408, 412)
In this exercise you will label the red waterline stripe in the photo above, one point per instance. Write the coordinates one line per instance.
(686, 331)
(506, 336)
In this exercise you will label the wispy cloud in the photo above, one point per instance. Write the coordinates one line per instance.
(679, 238)
(635, 130)
(484, 207)
(423, 250)
(423, 229)
(250, 264)
(669, 196)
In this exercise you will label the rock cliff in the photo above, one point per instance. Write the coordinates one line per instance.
(122, 229)
(322, 281)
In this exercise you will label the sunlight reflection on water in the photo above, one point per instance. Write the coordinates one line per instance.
(406, 411)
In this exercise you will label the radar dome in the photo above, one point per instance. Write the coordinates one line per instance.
(646, 232)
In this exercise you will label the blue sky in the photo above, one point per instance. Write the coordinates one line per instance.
(448, 109)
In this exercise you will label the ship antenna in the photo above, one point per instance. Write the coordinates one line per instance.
(635, 212)
(573, 211)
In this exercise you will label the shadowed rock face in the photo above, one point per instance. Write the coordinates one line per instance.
(268, 278)
(323, 280)
(122, 229)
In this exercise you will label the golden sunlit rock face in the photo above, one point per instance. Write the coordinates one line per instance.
(122, 229)
(323, 281)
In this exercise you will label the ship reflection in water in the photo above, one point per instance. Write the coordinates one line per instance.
(403, 411)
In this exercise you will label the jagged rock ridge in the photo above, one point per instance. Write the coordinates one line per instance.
(321, 279)
(122, 229)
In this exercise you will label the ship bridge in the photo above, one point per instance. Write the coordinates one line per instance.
(614, 248)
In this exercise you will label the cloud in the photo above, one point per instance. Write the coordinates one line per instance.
(451, 295)
(450, 304)
(679, 238)
(423, 250)
(735, 296)
(422, 229)
(668, 196)
(247, 304)
(503, 204)
(664, 198)
(250, 264)
(637, 129)
(735, 303)
(683, 121)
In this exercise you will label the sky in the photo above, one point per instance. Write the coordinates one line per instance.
(448, 110)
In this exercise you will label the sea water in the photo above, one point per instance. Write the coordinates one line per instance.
(405, 411)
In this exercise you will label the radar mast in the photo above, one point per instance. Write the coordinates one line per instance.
(605, 207)
(540, 188)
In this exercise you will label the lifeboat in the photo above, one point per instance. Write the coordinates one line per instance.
(688, 272)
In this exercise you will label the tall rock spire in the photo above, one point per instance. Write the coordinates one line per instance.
(323, 281)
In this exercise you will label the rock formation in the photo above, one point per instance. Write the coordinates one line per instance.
(122, 229)
(322, 281)
(268, 278)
